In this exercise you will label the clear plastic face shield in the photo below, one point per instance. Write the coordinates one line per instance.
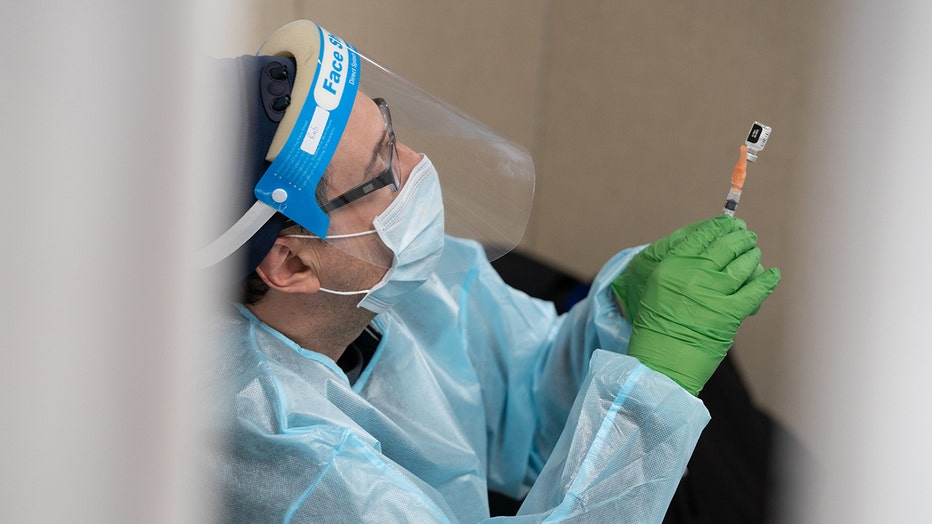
(351, 140)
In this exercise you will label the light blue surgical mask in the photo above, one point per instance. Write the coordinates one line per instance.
(412, 228)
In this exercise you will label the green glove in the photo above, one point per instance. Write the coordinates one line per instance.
(695, 300)
(629, 285)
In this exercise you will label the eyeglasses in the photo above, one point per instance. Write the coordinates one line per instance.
(388, 177)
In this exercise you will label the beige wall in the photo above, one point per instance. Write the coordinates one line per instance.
(633, 112)
(643, 107)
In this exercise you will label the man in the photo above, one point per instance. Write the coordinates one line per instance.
(379, 370)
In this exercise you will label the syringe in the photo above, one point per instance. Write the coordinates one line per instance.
(754, 144)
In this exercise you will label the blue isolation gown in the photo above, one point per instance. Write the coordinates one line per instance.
(474, 386)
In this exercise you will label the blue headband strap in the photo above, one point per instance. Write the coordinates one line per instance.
(290, 182)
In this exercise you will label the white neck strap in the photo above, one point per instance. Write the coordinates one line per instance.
(234, 238)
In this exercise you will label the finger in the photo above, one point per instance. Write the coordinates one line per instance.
(707, 232)
(728, 280)
(740, 269)
(722, 251)
(752, 295)
(757, 271)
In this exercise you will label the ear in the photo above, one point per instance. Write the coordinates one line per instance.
(285, 269)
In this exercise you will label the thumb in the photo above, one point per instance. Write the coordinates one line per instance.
(700, 239)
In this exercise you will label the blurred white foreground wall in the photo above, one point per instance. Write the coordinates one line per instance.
(99, 316)
(865, 306)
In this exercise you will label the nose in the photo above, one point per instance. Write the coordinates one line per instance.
(407, 159)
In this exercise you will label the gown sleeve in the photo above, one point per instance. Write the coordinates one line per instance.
(591, 430)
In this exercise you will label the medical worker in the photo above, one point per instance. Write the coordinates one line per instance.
(375, 368)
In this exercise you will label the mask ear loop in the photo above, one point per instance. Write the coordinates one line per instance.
(348, 235)
(344, 293)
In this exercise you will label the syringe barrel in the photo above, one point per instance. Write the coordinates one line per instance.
(731, 201)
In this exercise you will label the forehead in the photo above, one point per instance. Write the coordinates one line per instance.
(364, 131)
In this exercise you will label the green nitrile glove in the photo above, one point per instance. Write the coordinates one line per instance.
(629, 285)
(694, 302)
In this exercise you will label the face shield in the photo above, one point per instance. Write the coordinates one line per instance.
(346, 145)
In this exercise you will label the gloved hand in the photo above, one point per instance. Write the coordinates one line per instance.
(629, 285)
(695, 300)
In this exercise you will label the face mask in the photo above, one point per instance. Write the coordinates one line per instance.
(412, 227)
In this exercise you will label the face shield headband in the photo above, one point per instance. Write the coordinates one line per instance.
(321, 101)
(487, 181)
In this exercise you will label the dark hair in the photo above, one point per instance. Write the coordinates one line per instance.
(252, 289)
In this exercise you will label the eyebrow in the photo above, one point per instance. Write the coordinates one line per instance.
(375, 155)
(376, 150)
